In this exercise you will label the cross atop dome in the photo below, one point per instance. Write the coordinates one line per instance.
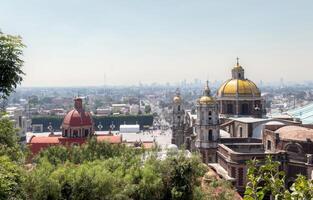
(237, 61)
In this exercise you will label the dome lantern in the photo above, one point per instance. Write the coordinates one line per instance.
(238, 72)
(206, 98)
(177, 98)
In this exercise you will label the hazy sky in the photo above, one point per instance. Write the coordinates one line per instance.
(78, 43)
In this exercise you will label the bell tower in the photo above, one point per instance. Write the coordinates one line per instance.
(178, 120)
(207, 126)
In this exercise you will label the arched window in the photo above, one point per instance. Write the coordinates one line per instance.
(210, 113)
(178, 108)
(210, 135)
(294, 148)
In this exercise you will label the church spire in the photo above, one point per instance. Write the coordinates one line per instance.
(177, 92)
(207, 91)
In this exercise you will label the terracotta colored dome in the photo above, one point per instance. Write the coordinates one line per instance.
(77, 118)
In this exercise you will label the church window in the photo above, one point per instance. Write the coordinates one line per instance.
(210, 113)
(75, 133)
(244, 109)
(269, 145)
(210, 136)
(178, 108)
(230, 109)
(86, 132)
(65, 132)
(240, 132)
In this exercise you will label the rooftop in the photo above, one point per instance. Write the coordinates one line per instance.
(297, 133)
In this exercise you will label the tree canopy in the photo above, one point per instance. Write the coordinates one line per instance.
(266, 181)
(11, 74)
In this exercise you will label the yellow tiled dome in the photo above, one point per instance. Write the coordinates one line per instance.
(206, 100)
(242, 87)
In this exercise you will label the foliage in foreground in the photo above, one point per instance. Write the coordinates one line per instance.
(267, 181)
(96, 170)
(125, 176)
(11, 51)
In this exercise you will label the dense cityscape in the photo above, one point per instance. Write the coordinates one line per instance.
(148, 100)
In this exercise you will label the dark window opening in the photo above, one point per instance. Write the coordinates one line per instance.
(86, 132)
(269, 145)
(75, 133)
(240, 132)
(230, 109)
(244, 109)
(210, 135)
(178, 108)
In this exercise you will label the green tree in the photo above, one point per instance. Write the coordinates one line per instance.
(181, 176)
(265, 179)
(301, 189)
(147, 109)
(11, 51)
(11, 180)
(9, 141)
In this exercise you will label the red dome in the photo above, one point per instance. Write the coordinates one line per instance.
(76, 118)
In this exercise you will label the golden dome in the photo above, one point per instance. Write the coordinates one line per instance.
(243, 87)
(177, 99)
(206, 100)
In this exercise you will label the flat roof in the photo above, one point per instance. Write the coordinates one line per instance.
(248, 119)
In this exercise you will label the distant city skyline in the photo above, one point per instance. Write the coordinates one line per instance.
(92, 43)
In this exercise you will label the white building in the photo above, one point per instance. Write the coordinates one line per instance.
(15, 114)
(103, 111)
(129, 128)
